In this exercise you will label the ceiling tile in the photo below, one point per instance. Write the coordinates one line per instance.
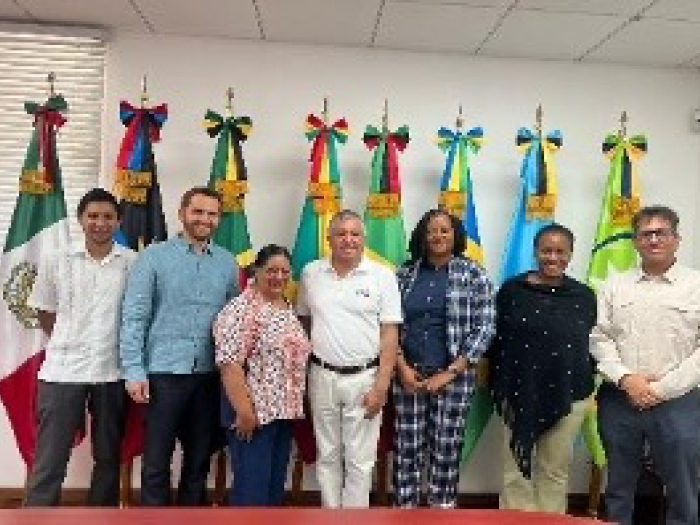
(217, 18)
(335, 22)
(539, 34)
(435, 27)
(675, 10)
(10, 11)
(651, 41)
(108, 13)
(468, 3)
(615, 7)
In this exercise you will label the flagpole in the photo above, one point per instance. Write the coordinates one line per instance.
(385, 118)
(127, 467)
(51, 79)
(623, 125)
(229, 102)
(144, 91)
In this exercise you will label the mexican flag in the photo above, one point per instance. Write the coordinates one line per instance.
(39, 225)
(613, 248)
(323, 200)
(229, 177)
(385, 233)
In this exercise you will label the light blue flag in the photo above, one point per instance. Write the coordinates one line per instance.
(536, 201)
(534, 209)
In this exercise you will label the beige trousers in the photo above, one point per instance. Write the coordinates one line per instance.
(551, 457)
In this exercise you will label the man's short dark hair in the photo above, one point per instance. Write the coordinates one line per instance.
(555, 228)
(199, 190)
(649, 212)
(98, 195)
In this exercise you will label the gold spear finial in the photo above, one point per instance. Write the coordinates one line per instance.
(623, 125)
(51, 79)
(144, 91)
(385, 115)
(460, 121)
(229, 101)
(538, 119)
(325, 110)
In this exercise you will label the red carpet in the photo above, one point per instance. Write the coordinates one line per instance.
(286, 516)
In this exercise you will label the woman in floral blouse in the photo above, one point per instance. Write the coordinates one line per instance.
(261, 351)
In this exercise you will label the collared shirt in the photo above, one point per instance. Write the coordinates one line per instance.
(347, 312)
(86, 295)
(425, 323)
(650, 325)
(271, 344)
(470, 313)
(172, 296)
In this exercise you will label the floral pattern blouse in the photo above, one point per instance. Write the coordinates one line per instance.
(272, 346)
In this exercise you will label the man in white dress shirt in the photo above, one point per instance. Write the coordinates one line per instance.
(78, 293)
(354, 309)
(647, 345)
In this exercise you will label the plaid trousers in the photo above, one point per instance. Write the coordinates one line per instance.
(429, 432)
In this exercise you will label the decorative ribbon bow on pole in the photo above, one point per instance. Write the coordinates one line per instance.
(41, 163)
(229, 177)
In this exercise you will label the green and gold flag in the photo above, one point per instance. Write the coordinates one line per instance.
(229, 177)
(613, 248)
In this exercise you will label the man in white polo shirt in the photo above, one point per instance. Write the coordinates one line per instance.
(78, 293)
(353, 307)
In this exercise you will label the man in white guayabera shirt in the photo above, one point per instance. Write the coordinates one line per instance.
(354, 309)
(78, 293)
(646, 344)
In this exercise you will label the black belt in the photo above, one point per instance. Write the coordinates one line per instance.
(344, 370)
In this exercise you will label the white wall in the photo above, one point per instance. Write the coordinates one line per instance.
(277, 85)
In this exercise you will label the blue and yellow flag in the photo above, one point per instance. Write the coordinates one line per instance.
(456, 184)
(536, 202)
(535, 208)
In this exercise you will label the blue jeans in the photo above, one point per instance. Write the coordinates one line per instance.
(672, 430)
(259, 466)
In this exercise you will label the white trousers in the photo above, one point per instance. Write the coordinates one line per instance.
(346, 441)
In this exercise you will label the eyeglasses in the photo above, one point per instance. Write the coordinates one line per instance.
(662, 234)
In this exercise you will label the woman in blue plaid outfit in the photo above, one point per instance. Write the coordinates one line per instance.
(449, 319)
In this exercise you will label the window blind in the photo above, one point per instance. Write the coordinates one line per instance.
(77, 60)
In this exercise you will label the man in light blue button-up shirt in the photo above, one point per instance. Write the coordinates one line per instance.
(174, 291)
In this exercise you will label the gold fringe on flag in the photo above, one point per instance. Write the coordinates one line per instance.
(383, 205)
(541, 206)
(325, 197)
(623, 209)
(232, 194)
(453, 202)
(133, 186)
(34, 182)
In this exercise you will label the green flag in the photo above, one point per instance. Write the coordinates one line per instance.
(324, 193)
(385, 233)
(229, 177)
(613, 248)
